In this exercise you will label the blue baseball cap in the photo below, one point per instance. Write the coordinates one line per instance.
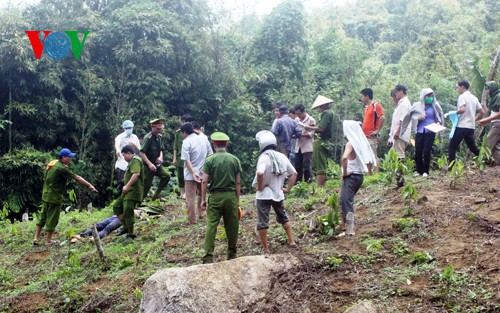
(66, 153)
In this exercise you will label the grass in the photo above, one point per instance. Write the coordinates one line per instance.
(395, 262)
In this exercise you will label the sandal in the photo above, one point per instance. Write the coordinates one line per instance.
(36, 243)
(52, 243)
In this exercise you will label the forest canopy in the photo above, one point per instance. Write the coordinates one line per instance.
(147, 59)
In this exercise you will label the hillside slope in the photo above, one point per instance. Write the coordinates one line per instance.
(444, 257)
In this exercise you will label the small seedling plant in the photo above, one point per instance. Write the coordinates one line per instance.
(410, 196)
(394, 168)
(331, 220)
(484, 155)
(457, 173)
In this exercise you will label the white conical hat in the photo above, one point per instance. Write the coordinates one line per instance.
(320, 100)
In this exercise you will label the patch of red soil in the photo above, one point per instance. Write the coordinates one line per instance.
(27, 303)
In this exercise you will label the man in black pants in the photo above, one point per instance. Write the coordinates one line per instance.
(467, 106)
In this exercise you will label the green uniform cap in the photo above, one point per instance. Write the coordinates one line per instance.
(156, 120)
(219, 136)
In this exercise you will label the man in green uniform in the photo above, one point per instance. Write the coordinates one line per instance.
(321, 145)
(54, 189)
(178, 162)
(132, 192)
(222, 170)
(152, 154)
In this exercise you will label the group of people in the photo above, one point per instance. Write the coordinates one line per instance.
(202, 170)
(426, 119)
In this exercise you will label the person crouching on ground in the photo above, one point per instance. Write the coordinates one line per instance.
(272, 169)
(54, 189)
(358, 158)
(222, 170)
(132, 192)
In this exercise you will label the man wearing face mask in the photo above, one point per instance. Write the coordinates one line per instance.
(123, 139)
(152, 154)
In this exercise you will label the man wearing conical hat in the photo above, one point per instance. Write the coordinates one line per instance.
(222, 170)
(324, 131)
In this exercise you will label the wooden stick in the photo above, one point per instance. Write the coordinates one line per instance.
(98, 245)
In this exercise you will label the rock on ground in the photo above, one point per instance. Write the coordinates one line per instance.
(227, 286)
(363, 307)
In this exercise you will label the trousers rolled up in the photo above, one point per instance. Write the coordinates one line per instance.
(225, 205)
(350, 186)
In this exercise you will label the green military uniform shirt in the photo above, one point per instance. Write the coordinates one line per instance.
(326, 123)
(54, 184)
(178, 147)
(152, 145)
(136, 191)
(222, 168)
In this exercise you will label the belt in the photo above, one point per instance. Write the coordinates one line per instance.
(222, 190)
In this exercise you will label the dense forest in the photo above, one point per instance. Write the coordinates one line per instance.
(147, 59)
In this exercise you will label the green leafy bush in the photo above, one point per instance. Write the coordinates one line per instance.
(406, 224)
(333, 263)
(22, 179)
(330, 221)
(421, 258)
(373, 245)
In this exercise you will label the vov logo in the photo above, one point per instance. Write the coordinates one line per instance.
(57, 44)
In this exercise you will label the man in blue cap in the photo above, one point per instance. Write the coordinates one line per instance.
(222, 170)
(54, 189)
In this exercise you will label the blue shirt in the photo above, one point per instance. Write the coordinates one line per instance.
(430, 118)
(283, 129)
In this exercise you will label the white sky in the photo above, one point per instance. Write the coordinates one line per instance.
(237, 8)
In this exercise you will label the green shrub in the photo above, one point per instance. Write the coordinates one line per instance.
(421, 258)
(22, 179)
(333, 263)
(406, 224)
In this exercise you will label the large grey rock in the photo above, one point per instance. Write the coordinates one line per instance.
(363, 307)
(227, 286)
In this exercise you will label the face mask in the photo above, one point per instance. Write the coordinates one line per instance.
(429, 100)
(128, 132)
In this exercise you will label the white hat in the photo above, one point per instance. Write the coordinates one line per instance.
(265, 139)
(320, 100)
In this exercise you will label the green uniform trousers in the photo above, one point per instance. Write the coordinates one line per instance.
(320, 156)
(161, 172)
(125, 207)
(49, 216)
(225, 205)
(180, 176)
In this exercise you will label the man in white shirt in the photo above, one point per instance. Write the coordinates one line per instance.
(304, 145)
(273, 168)
(123, 139)
(396, 139)
(467, 106)
(195, 149)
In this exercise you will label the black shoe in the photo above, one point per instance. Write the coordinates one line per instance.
(121, 232)
(129, 238)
